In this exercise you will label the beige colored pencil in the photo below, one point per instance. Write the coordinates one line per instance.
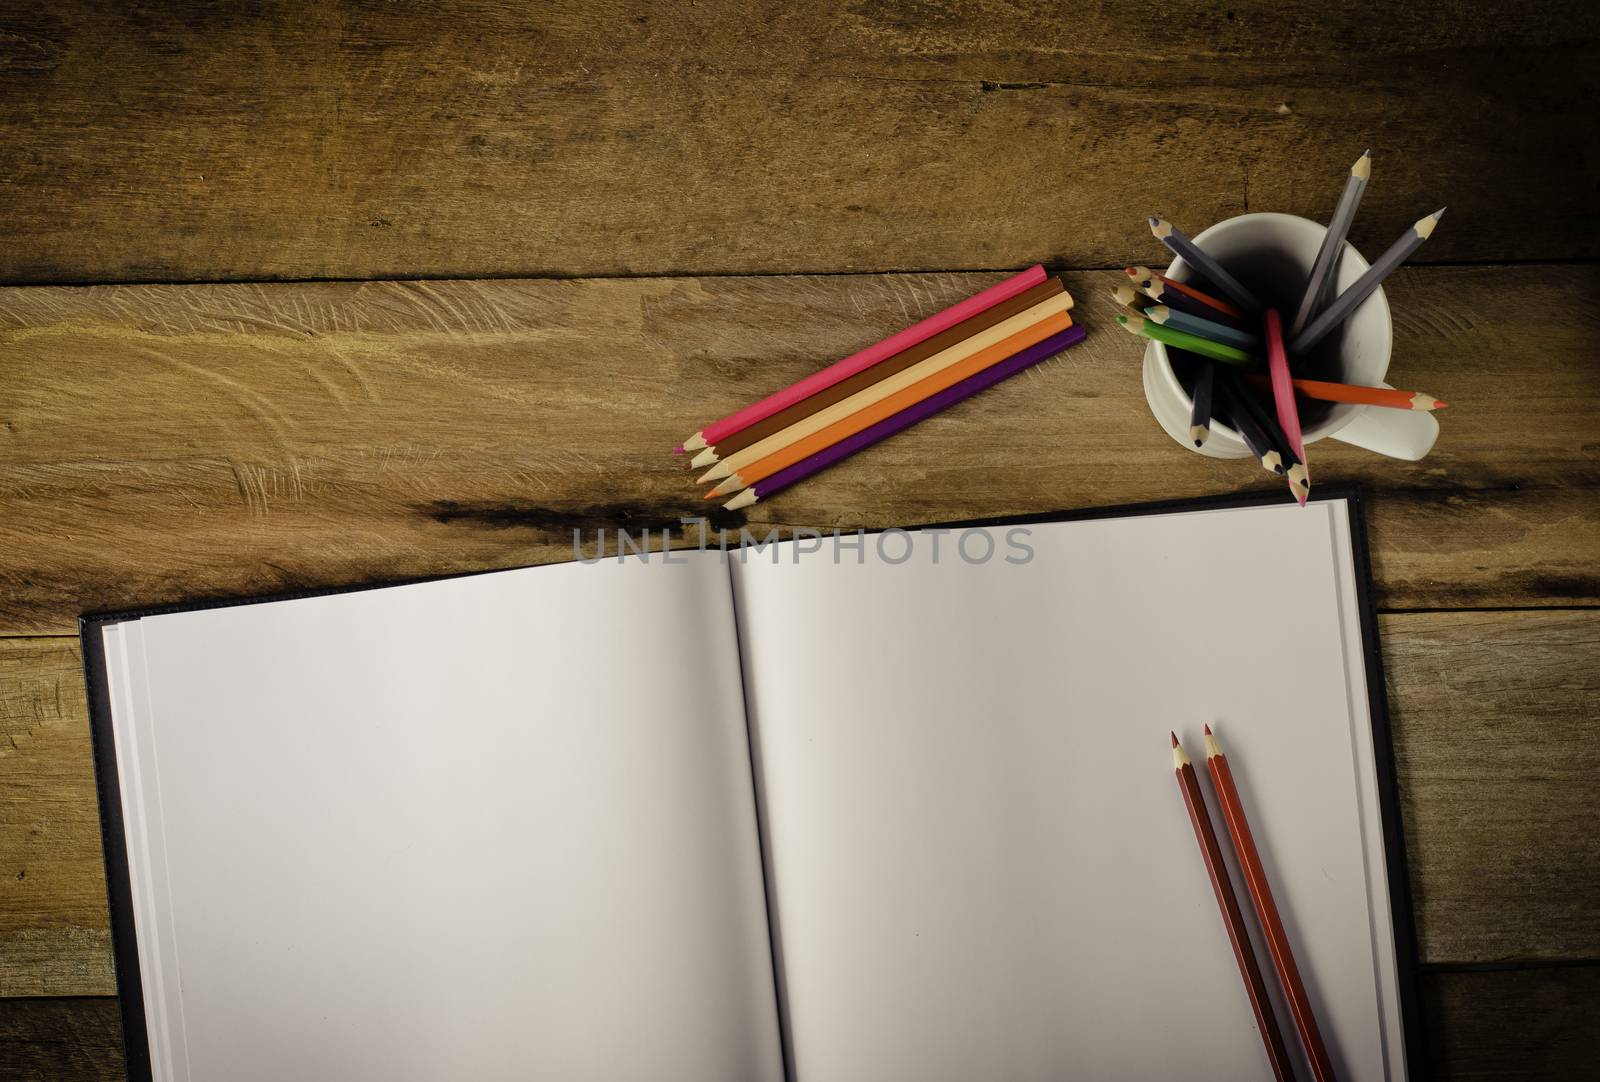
(884, 388)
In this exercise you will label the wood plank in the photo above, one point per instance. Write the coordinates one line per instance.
(467, 139)
(47, 1040)
(160, 443)
(55, 936)
(1494, 715)
(1512, 1025)
(1509, 1026)
(1495, 723)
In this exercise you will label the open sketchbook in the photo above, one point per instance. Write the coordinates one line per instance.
(888, 812)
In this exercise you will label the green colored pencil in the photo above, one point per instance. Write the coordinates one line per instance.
(1145, 328)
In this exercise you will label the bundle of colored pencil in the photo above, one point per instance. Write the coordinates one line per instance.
(1266, 910)
(869, 396)
(1217, 319)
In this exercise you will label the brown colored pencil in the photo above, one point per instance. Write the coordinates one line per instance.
(1323, 391)
(1232, 917)
(1255, 875)
(885, 368)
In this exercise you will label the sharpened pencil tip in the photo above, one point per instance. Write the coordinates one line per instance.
(678, 450)
(743, 499)
(1174, 736)
(1208, 729)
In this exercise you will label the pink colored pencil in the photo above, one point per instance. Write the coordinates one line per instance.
(1283, 390)
(858, 362)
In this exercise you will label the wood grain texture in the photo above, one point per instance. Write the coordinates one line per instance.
(166, 443)
(54, 932)
(1530, 1026)
(1494, 717)
(1535, 1025)
(1497, 745)
(191, 141)
(55, 1040)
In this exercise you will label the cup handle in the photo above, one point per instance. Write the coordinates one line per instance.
(1406, 434)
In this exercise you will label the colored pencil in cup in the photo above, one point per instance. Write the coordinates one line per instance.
(1204, 265)
(1255, 877)
(845, 427)
(1185, 297)
(1146, 328)
(1346, 302)
(1294, 471)
(1244, 423)
(1323, 268)
(1283, 392)
(1232, 917)
(901, 361)
(929, 406)
(1128, 297)
(1323, 391)
(1205, 328)
(1205, 379)
(866, 358)
(1018, 332)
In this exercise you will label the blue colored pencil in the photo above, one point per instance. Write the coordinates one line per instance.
(1205, 328)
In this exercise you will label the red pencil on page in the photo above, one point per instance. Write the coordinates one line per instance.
(1238, 934)
(1255, 875)
(1283, 395)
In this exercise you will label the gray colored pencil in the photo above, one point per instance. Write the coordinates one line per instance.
(1203, 265)
(1200, 413)
(1322, 271)
(1252, 434)
(1362, 288)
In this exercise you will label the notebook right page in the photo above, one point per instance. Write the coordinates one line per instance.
(980, 862)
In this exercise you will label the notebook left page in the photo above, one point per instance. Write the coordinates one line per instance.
(493, 827)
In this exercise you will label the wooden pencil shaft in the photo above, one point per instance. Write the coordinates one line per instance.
(1249, 431)
(1323, 391)
(905, 398)
(1266, 909)
(1200, 410)
(1204, 264)
(838, 392)
(1323, 268)
(1233, 921)
(1221, 309)
(1262, 417)
(1129, 297)
(1282, 392)
(871, 355)
(1020, 326)
(1163, 292)
(1363, 287)
(1168, 316)
(1183, 340)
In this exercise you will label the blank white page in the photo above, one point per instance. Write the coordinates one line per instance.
(981, 862)
(498, 827)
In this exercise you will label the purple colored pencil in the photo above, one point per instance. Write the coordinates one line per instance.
(907, 417)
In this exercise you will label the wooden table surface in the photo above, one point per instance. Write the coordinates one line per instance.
(378, 291)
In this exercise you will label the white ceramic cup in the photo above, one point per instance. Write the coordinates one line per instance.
(1272, 254)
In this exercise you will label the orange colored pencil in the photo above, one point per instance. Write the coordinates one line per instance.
(1238, 934)
(864, 418)
(1323, 391)
(1244, 846)
(1187, 290)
